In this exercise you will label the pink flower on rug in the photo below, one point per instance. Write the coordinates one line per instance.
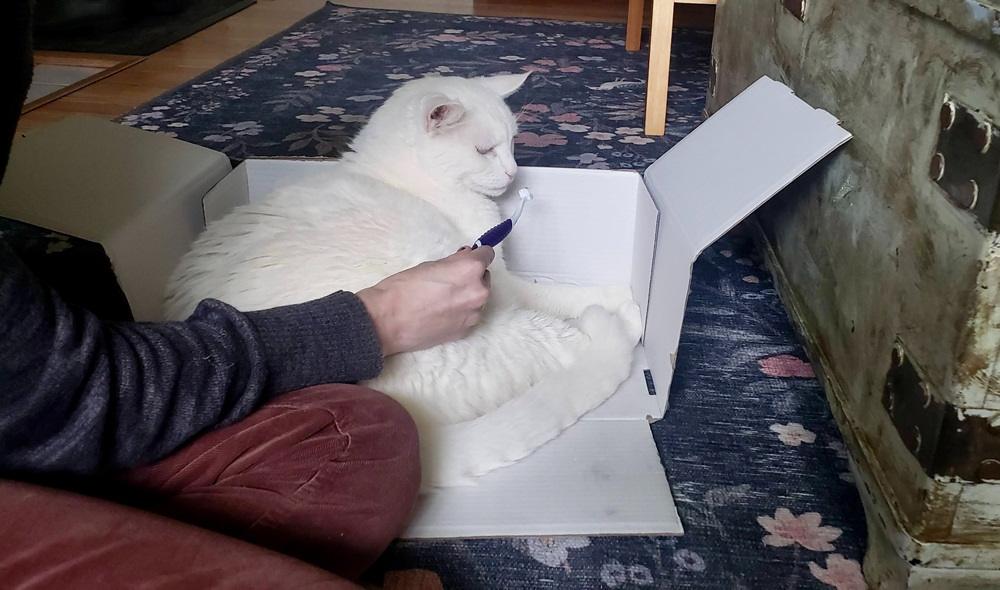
(313, 118)
(333, 67)
(545, 62)
(567, 118)
(535, 107)
(793, 434)
(534, 68)
(535, 140)
(786, 365)
(551, 551)
(786, 529)
(571, 69)
(636, 140)
(449, 37)
(841, 573)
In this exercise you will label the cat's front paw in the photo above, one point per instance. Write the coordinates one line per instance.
(623, 322)
(632, 317)
(613, 298)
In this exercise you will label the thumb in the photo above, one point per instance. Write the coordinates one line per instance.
(484, 254)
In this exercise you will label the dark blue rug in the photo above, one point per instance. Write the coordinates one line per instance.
(753, 455)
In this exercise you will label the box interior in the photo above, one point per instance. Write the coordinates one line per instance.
(587, 227)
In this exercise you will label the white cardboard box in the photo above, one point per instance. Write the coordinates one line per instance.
(603, 475)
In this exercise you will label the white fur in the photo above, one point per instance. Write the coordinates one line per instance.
(415, 188)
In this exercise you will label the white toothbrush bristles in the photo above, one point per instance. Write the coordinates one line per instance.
(526, 196)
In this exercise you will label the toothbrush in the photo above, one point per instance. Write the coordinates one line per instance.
(497, 233)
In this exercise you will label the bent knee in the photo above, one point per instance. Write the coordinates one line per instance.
(379, 427)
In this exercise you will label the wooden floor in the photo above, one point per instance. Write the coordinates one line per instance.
(174, 65)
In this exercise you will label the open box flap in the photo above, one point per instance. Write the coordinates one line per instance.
(738, 159)
(711, 180)
(134, 192)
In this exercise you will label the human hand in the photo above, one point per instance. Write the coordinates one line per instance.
(431, 303)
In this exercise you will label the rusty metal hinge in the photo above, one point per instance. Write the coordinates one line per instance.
(946, 441)
(966, 161)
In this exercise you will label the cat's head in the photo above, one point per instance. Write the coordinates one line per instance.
(457, 130)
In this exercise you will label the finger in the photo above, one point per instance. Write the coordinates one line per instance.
(458, 254)
(484, 254)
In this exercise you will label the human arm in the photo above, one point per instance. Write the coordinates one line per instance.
(82, 395)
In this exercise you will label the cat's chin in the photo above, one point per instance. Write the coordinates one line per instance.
(492, 192)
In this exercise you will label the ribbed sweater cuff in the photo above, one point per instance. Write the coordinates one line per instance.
(328, 340)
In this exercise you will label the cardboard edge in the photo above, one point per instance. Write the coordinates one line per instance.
(227, 194)
(647, 226)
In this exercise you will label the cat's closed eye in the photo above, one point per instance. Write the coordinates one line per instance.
(484, 151)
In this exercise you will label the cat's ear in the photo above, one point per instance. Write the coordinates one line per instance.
(505, 84)
(441, 113)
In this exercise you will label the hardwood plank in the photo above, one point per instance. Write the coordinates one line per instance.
(111, 64)
(92, 60)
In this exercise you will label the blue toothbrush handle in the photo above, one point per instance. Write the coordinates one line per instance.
(495, 235)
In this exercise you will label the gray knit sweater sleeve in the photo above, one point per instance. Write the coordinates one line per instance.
(80, 395)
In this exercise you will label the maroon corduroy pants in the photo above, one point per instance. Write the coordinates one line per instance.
(328, 475)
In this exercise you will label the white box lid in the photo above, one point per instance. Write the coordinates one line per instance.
(711, 180)
(739, 158)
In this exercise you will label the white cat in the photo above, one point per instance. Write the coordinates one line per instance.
(419, 184)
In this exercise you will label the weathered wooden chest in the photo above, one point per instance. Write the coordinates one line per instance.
(888, 258)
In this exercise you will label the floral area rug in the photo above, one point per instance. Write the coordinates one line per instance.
(756, 463)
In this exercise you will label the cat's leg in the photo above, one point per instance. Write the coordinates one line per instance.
(457, 453)
(567, 301)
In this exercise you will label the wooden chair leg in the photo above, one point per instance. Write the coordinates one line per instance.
(658, 79)
(633, 29)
